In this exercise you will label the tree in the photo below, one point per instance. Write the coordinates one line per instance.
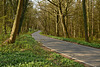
(92, 21)
(87, 2)
(4, 15)
(57, 22)
(85, 21)
(62, 15)
(16, 22)
(23, 13)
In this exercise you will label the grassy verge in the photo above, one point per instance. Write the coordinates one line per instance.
(26, 52)
(95, 45)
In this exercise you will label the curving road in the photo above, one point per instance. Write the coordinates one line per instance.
(88, 55)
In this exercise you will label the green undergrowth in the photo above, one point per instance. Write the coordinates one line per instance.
(3, 37)
(26, 52)
(95, 45)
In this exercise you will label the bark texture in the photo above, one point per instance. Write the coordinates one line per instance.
(16, 22)
(85, 21)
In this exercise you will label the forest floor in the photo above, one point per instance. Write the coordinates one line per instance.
(26, 52)
(87, 55)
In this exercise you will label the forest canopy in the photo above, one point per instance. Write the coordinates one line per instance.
(77, 19)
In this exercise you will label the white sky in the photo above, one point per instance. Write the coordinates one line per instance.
(35, 2)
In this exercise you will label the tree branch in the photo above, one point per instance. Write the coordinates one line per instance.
(53, 3)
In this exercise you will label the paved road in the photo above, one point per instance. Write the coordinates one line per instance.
(84, 54)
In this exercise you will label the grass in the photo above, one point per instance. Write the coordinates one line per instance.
(26, 52)
(95, 45)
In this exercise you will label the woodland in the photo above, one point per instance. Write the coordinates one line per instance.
(73, 20)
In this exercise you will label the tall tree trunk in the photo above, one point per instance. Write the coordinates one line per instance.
(85, 21)
(27, 26)
(66, 25)
(98, 29)
(4, 14)
(65, 31)
(22, 16)
(74, 31)
(16, 22)
(79, 31)
(92, 8)
(88, 16)
(98, 35)
(78, 17)
(71, 29)
(57, 34)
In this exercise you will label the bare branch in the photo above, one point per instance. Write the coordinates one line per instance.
(53, 3)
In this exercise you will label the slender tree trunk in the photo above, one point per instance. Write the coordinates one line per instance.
(88, 16)
(65, 31)
(78, 17)
(92, 7)
(98, 29)
(27, 26)
(79, 32)
(66, 25)
(4, 14)
(74, 31)
(98, 26)
(71, 33)
(16, 22)
(85, 21)
(22, 16)
(57, 34)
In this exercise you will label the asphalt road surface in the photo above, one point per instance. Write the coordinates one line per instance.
(82, 53)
